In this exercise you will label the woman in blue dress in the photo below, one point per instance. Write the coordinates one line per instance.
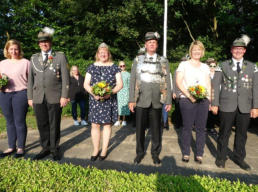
(102, 111)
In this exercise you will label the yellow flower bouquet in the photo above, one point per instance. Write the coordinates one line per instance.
(101, 89)
(198, 92)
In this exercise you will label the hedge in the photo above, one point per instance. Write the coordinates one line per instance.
(27, 175)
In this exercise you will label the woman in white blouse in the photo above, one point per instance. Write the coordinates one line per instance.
(194, 113)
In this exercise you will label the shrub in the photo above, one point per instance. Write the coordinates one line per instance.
(26, 175)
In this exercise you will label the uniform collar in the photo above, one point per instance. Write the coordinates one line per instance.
(235, 61)
(44, 53)
(154, 57)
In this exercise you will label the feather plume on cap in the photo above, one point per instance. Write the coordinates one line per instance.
(246, 39)
(157, 35)
(48, 30)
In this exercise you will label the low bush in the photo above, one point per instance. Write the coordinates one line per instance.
(26, 175)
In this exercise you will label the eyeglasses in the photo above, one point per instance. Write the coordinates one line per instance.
(212, 66)
(122, 66)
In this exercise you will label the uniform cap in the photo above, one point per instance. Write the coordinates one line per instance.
(241, 42)
(151, 36)
(46, 34)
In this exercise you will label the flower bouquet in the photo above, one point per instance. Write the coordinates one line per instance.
(198, 92)
(3, 81)
(101, 89)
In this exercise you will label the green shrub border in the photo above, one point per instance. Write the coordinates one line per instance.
(27, 175)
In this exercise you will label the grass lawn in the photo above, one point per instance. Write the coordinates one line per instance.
(30, 119)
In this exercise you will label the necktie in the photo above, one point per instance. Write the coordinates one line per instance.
(151, 58)
(46, 58)
(238, 67)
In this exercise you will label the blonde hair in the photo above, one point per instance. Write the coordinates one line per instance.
(109, 54)
(10, 43)
(121, 62)
(199, 44)
(71, 70)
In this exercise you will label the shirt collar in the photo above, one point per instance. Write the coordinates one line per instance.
(235, 61)
(44, 53)
(154, 56)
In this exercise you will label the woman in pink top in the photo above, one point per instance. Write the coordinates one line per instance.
(13, 98)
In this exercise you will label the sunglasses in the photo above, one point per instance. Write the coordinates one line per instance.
(122, 66)
(212, 66)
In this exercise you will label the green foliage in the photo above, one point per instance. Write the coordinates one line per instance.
(80, 26)
(26, 175)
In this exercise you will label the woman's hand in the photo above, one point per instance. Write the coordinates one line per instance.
(106, 96)
(96, 97)
(192, 99)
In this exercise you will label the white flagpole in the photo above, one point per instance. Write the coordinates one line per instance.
(165, 28)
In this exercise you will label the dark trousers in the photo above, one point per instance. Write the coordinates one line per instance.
(155, 129)
(48, 118)
(193, 114)
(176, 115)
(212, 121)
(227, 120)
(14, 106)
(82, 109)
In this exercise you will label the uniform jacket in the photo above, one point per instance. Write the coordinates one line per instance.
(149, 93)
(232, 90)
(50, 80)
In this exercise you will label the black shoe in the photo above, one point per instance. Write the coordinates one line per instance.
(198, 160)
(41, 155)
(94, 158)
(185, 158)
(242, 164)
(138, 159)
(2, 155)
(18, 155)
(156, 160)
(56, 156)
(102, 158)
(220, 163)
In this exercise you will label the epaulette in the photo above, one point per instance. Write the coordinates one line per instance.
(163, 59)
(139, 58)
(255, 68)
(35, 55)
(218, 69)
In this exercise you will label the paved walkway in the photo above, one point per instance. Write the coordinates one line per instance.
(76, 147)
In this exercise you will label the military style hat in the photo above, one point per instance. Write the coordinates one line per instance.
(151, 36)
(46, 34)
(241, 42)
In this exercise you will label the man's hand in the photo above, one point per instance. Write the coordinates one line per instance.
(215, 109)
(173, 95)
(63, 102)
(168, 108)
(132, 106)
(30, 102)
(254, 113)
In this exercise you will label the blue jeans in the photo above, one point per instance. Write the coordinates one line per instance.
(164, 114)
(14, 106)
(82, 109)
